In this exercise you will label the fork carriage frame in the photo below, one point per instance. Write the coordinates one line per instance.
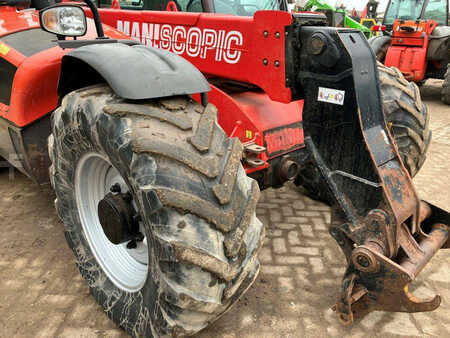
(385, 231)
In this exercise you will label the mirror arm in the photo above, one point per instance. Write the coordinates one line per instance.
(96, 17)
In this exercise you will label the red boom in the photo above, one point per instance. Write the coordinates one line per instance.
(245, 49)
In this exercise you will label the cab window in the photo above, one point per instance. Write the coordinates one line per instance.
(437, 10)
(403, 10)
(236, 7)
(245, 7)
(339, 19)
(131, 4)
(7, 71)
(189, 5)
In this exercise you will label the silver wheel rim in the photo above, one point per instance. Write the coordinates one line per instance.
(126, 268)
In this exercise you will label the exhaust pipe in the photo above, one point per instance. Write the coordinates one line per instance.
(288, 169)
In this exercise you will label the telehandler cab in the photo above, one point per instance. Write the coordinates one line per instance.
(157, 153)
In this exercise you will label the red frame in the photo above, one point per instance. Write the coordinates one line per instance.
(408, 50)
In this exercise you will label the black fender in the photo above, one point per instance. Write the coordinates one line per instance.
(133, 72)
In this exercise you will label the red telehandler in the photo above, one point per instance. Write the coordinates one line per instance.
(416, 40)
(157, 153)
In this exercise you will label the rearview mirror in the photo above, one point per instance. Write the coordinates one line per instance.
(65, 20)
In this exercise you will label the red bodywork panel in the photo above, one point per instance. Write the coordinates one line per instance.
(34, 90)
(225, 46)
(244, 49)
(16, 21)
(254, 118)
(408, 50)
(39, 71)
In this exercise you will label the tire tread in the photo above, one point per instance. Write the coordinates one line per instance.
(204, 230)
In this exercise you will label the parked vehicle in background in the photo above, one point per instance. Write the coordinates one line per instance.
(416, 40)
(337, 17)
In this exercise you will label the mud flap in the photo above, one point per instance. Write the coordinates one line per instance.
(385, 231)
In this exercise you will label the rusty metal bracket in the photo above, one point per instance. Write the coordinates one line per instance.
(382, 284)
(385, 231)
(377, 266)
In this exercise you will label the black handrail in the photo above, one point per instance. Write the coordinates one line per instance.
(96, 17)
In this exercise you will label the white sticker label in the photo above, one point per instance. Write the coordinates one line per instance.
(386, 140)
(329, 95)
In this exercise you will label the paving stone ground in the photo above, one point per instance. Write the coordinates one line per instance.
(42, 293)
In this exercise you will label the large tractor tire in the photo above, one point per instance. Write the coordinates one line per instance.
(445, 93)
(380, 46)
(407, 119)
(195, 208)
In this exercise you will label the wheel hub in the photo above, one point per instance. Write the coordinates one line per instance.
(118, 218)
(108, 215)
